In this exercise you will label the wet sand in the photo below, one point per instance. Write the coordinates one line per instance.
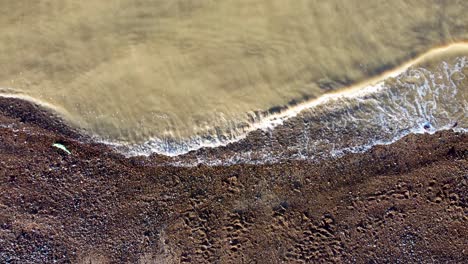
(401, 202)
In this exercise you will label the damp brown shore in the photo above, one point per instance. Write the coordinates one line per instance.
(400, 202)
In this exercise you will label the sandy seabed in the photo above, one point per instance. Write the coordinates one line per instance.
(405, 202)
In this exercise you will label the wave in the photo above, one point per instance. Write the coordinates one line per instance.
(417, 100)
(378, 111)
(413, 96)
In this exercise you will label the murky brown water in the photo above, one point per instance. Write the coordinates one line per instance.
(131, 70)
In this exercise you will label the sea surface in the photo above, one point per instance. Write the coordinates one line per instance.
(171, 76)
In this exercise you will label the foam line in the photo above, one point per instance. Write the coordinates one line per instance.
(360, 89)
(371, 85)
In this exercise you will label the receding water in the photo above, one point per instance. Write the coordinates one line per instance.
(169, 71)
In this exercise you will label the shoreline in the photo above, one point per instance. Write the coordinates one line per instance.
(404, 201)
(266, 119)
